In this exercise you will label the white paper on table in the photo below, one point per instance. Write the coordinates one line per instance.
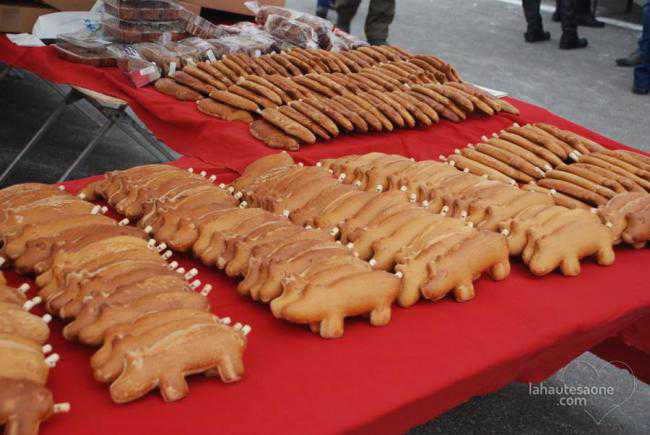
(493, 92)
(25, 39)
(49, 26)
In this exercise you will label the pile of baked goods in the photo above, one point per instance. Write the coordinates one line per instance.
(434, 189)
(432, 255)
(575, 172)
(305, 276)
(117, 289)
(307, 95)
(25, 401)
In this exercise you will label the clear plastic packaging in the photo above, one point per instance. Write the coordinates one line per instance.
(76, 54)
(241, 44)
(85, 47)
(322, 27)
(200, 45)
(164, 58)
(141, 72)
(147, 10)
(262, 12)
(291, 31)
(198, 26)
(96, 42)
(142, 31)
(342, 41)
(188, 54)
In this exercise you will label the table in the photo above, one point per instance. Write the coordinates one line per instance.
(430, 358)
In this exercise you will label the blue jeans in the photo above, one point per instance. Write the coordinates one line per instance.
(642, 72)
(324, 3)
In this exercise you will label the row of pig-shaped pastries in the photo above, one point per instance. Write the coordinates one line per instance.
(117, 290)
(304, 274)
(25, 401)
(432, 255)
(560, 237)
(577, 172)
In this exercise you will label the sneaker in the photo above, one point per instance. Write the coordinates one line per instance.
(633, 59)
(640, 91)
(537, 36)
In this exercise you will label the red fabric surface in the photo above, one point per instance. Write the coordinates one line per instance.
(430, 358)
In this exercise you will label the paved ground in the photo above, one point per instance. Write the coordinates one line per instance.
(483, 38)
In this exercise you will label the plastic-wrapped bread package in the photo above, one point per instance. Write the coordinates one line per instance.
(322, 27)
(262, 12)
(188, 54)
(85, 47)
(291, 31)
(342, 41)
(198, 26)
(202, 46)
(147, 10)
(140, 71)
(163, 57)
(245, 44)
(142, 31)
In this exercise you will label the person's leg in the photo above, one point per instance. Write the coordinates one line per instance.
(557, 15)
(346, 9)
(535, 31)
(570, 38)
(642, 71)
(322, 7)
(380, 15)
(585, 16)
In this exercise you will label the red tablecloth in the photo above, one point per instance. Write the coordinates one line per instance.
(430, 358)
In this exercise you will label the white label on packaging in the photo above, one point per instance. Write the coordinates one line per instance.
(148, 70)
(172, 69)
(211, 56)
(258, 53)
(189, 61)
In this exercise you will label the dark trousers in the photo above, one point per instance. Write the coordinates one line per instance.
(380, 16)
(567, 11)
(323, 3)
(642, 72)
(583, 7)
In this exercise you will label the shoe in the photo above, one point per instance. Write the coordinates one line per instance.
(377, 42)
(556, 16)
(589, 21)
(537, 36)
(321, 11)
(640, 91)
(572, 42)
(633, 59)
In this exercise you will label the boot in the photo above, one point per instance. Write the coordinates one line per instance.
(537, 35)
(570, 41)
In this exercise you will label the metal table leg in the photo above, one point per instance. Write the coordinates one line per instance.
(93, 143)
